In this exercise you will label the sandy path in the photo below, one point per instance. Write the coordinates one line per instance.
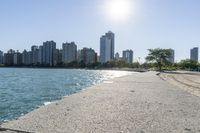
(188, 81)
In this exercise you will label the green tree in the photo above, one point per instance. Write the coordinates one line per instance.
(188, 64)
(134, 65)
(160, 56)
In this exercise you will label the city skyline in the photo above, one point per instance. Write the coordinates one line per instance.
(73, 48)
(152, 24)
(49, 55)
(120, 53)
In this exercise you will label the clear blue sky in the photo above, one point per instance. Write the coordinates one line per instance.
(155, 23)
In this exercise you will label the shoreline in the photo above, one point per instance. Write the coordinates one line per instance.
(112, 69)
(78, 91)
(55, 102)
(140, 102)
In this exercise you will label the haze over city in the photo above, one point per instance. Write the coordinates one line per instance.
(137, 24)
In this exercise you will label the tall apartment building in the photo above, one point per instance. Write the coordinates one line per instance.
(79, 58)
(117, 56)
(128, 56)
(9, 58)
(194, 54)
(34, 50)
(88, 56)
(59, 56)
(49, 52)
(17, 59)
(40, 55)
(107, 46)
(1, 57)
(69, 52)
(25, 58)
(111, 36)
(30, 58)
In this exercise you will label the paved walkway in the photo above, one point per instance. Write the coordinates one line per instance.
(140, 103)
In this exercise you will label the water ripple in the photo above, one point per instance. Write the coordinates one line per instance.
(23, 90)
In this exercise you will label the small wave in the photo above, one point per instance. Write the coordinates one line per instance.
(22, 114)
(5, 120)
(72, 84)
(78, 84)
(47, 103)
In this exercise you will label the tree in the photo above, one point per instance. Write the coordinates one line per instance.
(134, 65)
(160, 56)
(188, 64)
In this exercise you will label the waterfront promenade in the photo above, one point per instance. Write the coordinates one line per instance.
(138, 103)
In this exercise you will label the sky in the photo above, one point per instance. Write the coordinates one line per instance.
(150, 24)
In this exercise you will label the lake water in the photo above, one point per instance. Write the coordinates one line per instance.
(23, 90)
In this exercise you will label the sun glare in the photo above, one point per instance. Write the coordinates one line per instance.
(118, 10)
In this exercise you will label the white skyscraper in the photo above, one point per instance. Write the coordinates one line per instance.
(111, 36)
(107, 44)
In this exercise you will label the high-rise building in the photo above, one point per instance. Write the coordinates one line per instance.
(79, 58)
(107, 46)
(30, 58)
(1, 57)
(25, 58)
(128, 56)
(59, 56)
(111, 36)
(69, 52)
(194, 54)
(17, 58)
(34, 50)
(49, 50)
(40, 55)
(172, 56)
(105, 49)
(117, 56)
(9, 58)
(98, 58)
(88, 56)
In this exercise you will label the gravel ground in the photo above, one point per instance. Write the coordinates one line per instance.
(139, 103)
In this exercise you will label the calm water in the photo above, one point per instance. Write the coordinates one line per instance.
(23, 90)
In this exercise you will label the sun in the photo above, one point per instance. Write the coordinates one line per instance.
(118, 10)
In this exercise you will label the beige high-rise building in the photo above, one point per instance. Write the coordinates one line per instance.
(69, 52)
